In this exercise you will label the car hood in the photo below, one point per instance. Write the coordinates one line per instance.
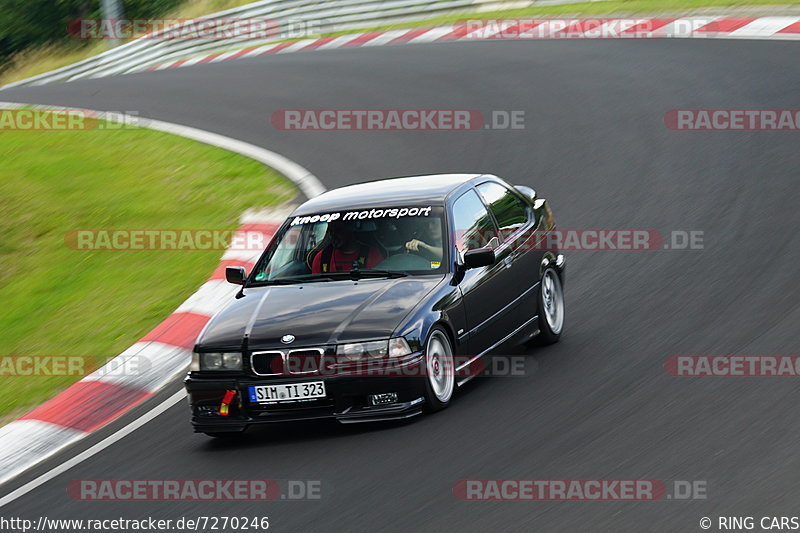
(317, 313)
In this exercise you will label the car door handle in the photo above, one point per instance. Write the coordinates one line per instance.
(508, 261)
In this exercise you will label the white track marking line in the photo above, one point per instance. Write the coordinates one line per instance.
(94, 450)
(305, 181)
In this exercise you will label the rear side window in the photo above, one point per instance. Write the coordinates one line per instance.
(509, 209)
(472, 225)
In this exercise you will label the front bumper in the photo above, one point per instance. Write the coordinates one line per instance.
(346, 400)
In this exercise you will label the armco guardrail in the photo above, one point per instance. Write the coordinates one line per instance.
(328, 16)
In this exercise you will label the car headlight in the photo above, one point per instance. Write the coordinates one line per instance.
(362, 350)
(398, 347)
(356, 351)
(216, 361)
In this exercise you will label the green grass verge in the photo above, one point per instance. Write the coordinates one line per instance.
(61, 301)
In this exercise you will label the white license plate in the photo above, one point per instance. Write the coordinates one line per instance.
(308, 390)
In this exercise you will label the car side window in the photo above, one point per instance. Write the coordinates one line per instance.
(473, 227)
(283, 254)
(509, 209)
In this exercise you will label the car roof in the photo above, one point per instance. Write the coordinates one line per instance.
(412, 190)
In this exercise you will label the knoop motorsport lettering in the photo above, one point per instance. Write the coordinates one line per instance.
(392, 212)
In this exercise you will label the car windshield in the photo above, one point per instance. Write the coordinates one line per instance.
(372, 242)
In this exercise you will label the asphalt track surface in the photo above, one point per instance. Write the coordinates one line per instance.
(597, 405)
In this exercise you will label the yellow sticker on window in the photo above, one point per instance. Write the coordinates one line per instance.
(436, 264)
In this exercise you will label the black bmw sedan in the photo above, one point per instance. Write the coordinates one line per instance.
(376, 301)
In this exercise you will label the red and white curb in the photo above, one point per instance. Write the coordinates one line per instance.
(161, 356)
(526, 29)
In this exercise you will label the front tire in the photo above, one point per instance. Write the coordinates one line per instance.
(551, 307)
(440, 379)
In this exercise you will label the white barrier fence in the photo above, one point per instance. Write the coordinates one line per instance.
(327, 16)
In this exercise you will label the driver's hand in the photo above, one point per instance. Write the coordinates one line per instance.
(413, 245)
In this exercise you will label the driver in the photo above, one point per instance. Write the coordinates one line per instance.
(431, 230)
(343, 251)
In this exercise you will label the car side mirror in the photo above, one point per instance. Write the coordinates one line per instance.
(479, 257)
(527, 191)
(235, 275)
